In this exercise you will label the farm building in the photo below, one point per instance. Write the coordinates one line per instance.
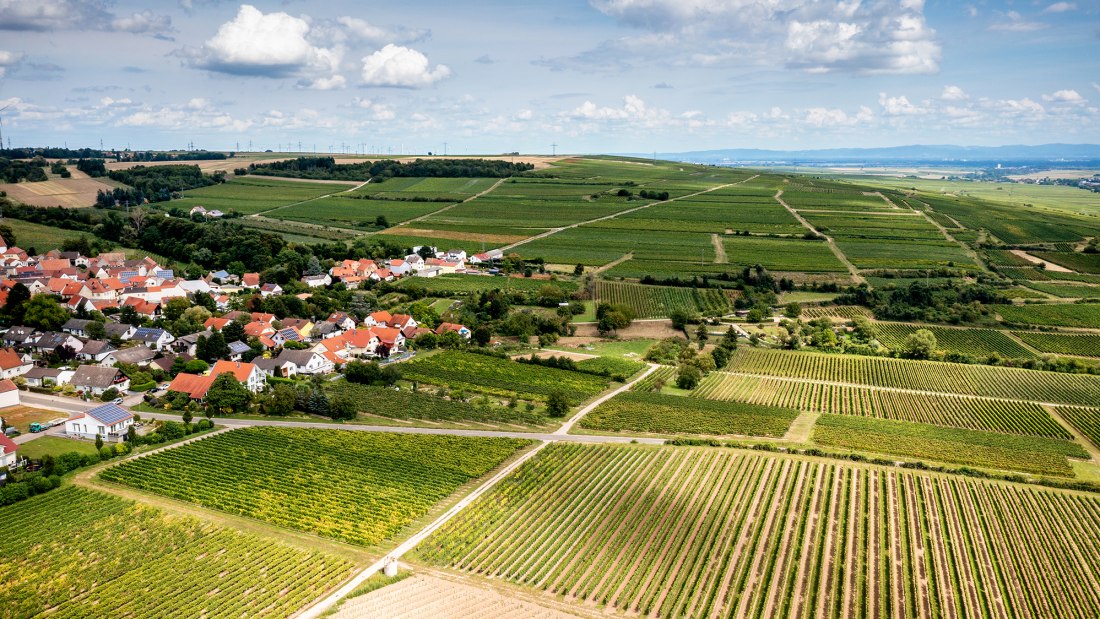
(109, 421)
(9, 394)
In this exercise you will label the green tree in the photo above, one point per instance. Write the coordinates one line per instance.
(792, 310)
(611, 318)
(920, 345)
(227, 396)
(578, 270)
(482, 335)
(557, 403)
(281, 401)
(95, 330)
(729, 340)
(98, 442)
(702, 335)
(689, 377)
(343, 407)
(43, 312)
(863, 329)
(15, 306)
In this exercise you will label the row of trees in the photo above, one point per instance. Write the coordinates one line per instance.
(326, 168)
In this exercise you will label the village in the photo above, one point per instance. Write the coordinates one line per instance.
(100, 333)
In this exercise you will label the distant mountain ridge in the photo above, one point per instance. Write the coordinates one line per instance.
(912, 153)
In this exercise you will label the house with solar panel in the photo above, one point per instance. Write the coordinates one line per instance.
(109, 421)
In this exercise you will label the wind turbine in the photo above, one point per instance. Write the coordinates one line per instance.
(2, 126)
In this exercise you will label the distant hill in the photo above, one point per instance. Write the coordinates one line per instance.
(1043, 153)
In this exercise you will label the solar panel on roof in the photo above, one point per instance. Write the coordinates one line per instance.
(109, 414)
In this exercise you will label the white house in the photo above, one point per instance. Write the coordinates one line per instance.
(109, 421)
(252, 377)
(268, 290)
(306, 362)
(9, 394)
(8, 448)
(317, 281)
(95, 380)
(153, 337)
(12, 364)
(415, 261)
(400, 267)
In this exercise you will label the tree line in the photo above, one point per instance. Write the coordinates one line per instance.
(154, 184)
(326, 168)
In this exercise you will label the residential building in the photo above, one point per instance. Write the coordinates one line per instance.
(247, 374)
(94, 379)
(13, 364)
(9, 394)
(108, 421)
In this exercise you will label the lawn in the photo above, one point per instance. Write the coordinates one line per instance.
(23, 416)
(54, 446)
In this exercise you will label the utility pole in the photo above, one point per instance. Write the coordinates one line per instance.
(554, 152)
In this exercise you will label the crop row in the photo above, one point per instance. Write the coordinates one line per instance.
(655, 301)
(361, 488)
(975, 342)
(845, 312)
(1028, 454)
(979, 380)
(709, 533)
(408, 404)
(1062, 343)
(1052, 314)
(465, 284)
(655, 413)
(463, 370)
(1085, 420)
(80, 553)
(1010, 417)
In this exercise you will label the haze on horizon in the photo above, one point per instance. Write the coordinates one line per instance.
(587, 76)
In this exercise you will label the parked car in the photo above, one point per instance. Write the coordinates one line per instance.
(116, 401)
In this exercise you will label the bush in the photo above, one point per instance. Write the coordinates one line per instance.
(689, 377)
(557, 403)
(109, 395)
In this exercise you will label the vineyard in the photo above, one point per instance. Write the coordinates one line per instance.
(361, 488)
(1085, 420)
(1085, 315)
(655, 413)
(427, 596)
(843, 312)
(979, 380)
(1062, 343)
(77, 553)
(661, 301)
(974, 342)
(1011, 417)
(664, 375)
(465, 284)
(501, 377)
(707, 532)
(407, 404)
(1027, 454)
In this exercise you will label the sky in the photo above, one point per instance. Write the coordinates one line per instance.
(567, 76)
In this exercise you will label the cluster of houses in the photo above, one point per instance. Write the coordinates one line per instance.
(354, 272)
(112, 281)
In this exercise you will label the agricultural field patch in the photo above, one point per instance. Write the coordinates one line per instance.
(249, 195)
(662, 301)
(422, 406)
(1082, 263)
(67, 192)
(346, 212)
(706, 532)
(1068, 291)
(875, 254)
(957, 446)
(974, 342)
(466, 284)
(1010, 417)
(1083, 344)
(655, 413)
(951, 378)
(781, 254)
(81, 553)
(501, 377)
(1085, 315)
(1085, 420)
(278, 475)
(411, 188)
(842, 312)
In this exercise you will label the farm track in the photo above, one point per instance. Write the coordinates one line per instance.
(969, 251)
(327, 195)
(719, 250)
(856, 277)
(620, 213)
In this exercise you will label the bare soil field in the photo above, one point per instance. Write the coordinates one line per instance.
(1050, 266)
(639, 329)
(429, 596)
(76, 192)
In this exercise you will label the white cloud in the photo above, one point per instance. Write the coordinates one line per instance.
(402, 67)
(1014, 22)
(1065, 96)
(334, 82)
(8, 60)
(1096, 86)
(43, 15)
(271, 45)
(819, 117)
(1021, 107)
(954, 93)
(374, 110)
(1061, 7)
(887, 36)
(363, 30)
(195, 114)
(899, 106)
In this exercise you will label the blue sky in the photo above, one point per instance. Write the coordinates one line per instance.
(589, 76)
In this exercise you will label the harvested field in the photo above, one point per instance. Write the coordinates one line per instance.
(685, 532)
(68, 192)
(428, 596)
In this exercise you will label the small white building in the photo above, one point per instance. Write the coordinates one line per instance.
(317, 281)
(8, 455)
(9, 394)
(109, 421)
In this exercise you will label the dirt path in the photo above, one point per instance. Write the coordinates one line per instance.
(1050, 266)
(885, 199)
(719, 250)
(568, 425)
(801, 428)
(327, 195)
(856, 277)
(1093, 451)
(947, 235)
(613, 263)
(620, 213)
(451, 206)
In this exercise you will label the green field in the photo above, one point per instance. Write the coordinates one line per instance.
(1082, 263)
(410, 405)
(54, 446)
(1085, 420)
(1083, 344)
(408, 188)
(661, 301)
(501, 377)
(80, 553)
(951, 378)
(348, 212)
(975, 342)
(466, 284)
(781, 254)
(655, 413)
(1067, 291)
(254, 194)
(688, 532)
(1028, 454)
(361, 488)
(1011, 417)
(1052, 315)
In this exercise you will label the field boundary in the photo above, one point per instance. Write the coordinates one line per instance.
(856, 277)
